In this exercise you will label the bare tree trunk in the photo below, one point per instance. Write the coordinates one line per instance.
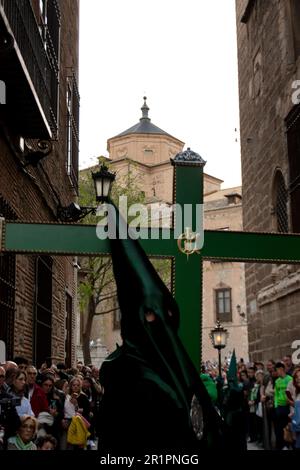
(86, 335)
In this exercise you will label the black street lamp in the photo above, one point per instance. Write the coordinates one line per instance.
(103, 180)
(219, 336)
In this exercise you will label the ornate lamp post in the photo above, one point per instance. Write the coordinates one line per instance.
(219, 336)
(103, 180)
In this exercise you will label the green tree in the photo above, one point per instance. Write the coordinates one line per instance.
(97, 290)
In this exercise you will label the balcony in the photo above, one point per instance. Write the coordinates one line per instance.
(29, 68)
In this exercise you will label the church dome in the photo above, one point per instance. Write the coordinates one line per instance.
(145, 125)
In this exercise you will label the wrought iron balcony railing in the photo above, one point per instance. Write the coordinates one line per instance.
(35, 47)
(73, 131)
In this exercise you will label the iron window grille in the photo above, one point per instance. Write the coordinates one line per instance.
(281, 204)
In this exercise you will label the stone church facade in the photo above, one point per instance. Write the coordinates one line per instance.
(144, 151)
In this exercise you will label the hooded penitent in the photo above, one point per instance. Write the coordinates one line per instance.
(232, 378)
(150, 382)
(234, 409)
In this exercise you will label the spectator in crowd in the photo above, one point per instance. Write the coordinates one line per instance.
(270, 368)
(62, 385)
(281, 404)
(295, 408)
(259, 366)
(62, 370)
(251, 377)
(9, 377)
(17, 389)
(289, 367)
(46, 442)
(10, 365)
(76, 402)
(56, 399)
(21, 362)
(252, 395)
(25, 435)
(35, 393)
(260, 411)
(268, 403)
(9, 418)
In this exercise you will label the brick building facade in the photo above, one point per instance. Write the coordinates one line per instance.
(38, 170)
(268, 36)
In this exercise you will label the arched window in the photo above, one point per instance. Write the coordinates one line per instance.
(280, 203)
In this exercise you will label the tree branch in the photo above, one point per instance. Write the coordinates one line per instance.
(107, 311)
(110, 296)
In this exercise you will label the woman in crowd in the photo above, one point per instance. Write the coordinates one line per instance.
(18, 391)
(25, 435)
(267, 399)
(56, 400)
(94, 395)
(76, 402)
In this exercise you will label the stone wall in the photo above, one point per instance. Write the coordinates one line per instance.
(267, 68)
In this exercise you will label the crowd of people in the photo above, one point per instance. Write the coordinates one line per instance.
(55, 408)
(270, 407)
(51, 408)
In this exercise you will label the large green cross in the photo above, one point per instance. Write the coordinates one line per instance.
(81, 240)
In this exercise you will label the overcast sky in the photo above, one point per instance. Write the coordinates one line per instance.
(182, 56)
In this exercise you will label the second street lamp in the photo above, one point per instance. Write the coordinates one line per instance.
(219, 336)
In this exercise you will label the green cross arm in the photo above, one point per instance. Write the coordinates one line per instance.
(81, 240)
(74, 239)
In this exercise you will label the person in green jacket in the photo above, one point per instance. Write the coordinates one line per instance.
(281, 404)
(210, 387)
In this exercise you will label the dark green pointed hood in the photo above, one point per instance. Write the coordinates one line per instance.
(156, 344)
(232, 378)
(140, 291)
